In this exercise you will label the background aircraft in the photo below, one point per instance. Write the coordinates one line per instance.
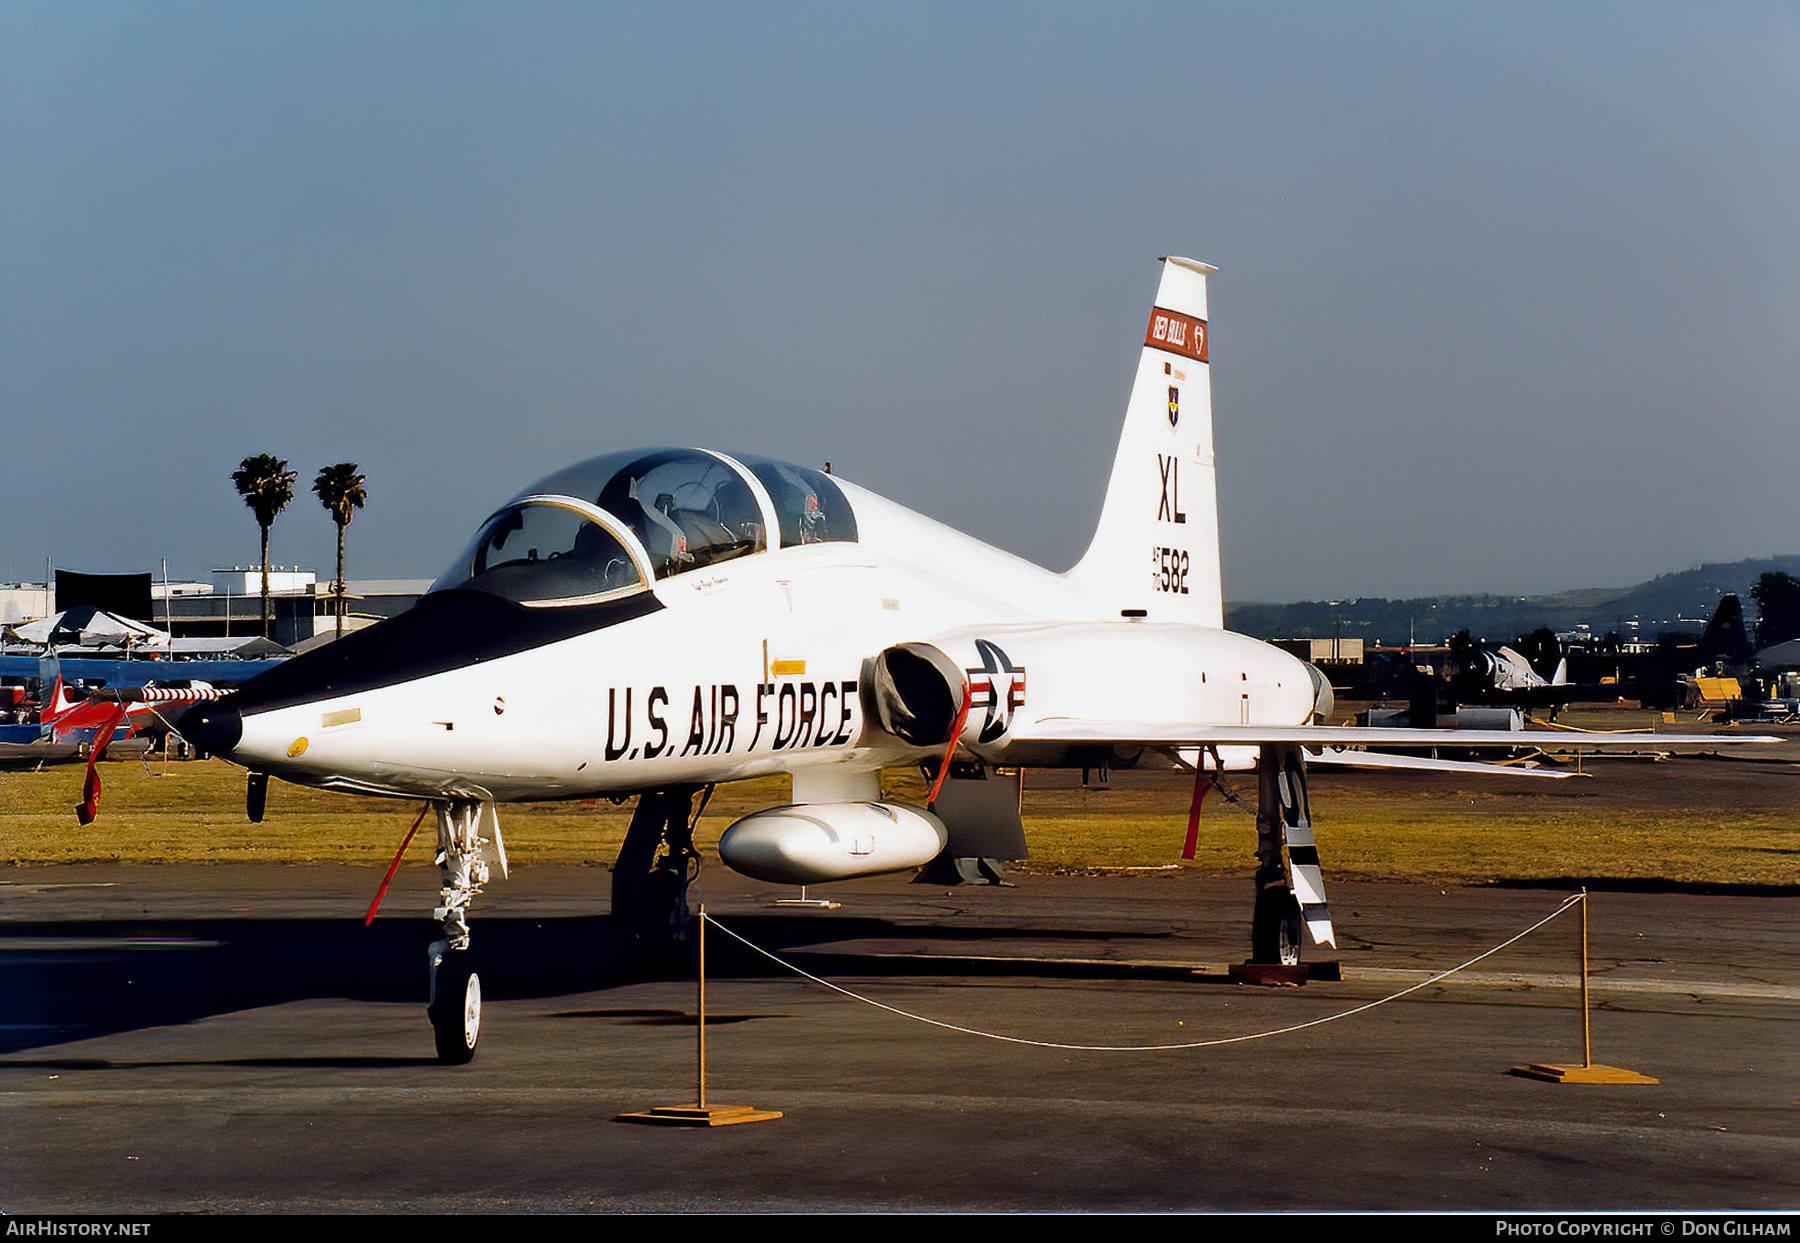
(1663, 676)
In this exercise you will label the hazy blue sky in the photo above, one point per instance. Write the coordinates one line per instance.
(1509, 295)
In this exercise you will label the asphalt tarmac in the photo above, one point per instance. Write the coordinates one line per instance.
(232, 1039)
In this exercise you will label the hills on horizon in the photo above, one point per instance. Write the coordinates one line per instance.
(1679, 601)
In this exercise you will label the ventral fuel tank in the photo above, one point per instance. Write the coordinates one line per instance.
(811, 843)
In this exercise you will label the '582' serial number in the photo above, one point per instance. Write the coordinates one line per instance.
(1169, 570)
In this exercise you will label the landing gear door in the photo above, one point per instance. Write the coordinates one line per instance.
(983, 815)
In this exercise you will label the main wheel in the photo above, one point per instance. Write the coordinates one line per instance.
(1275, 927)
(455, 1008)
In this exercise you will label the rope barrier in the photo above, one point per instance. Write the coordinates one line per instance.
(1143, 1048)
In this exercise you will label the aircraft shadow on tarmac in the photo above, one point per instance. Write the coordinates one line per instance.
(70, 980)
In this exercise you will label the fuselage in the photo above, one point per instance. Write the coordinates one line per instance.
(754, 663)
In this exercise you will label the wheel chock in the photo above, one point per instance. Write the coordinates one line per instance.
(1268, 974)
(1282, 975)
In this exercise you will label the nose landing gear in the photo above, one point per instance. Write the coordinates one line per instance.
(455, 999)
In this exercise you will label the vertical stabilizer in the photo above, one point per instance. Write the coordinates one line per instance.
(1157, 546)
(52, 699)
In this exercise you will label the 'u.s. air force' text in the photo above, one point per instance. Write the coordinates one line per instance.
(778, 716)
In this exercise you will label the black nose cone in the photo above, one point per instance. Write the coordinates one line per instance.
(215, 728)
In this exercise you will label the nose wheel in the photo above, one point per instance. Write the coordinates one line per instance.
(455, 1005)
(455, 1008)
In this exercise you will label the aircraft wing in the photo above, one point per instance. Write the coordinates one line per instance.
(1348, 757)
(1345, 746)
(1071, 730)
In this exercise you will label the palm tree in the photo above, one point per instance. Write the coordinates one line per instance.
(342, 492)
(267, 485)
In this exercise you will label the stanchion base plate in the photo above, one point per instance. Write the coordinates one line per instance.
(1581, 1074)
(694, 1115)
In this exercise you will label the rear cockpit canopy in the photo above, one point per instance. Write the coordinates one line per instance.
(607, 527)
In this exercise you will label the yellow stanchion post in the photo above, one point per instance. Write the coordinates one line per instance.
(700, 1113)
(1587, 1072)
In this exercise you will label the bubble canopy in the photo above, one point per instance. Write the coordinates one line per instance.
(607, 527)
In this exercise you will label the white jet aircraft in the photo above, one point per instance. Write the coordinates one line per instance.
(1509, 671)
(653, 622)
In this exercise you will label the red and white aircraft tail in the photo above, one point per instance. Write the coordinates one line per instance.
(60, 714)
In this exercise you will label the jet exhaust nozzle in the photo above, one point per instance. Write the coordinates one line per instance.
(1324, 700)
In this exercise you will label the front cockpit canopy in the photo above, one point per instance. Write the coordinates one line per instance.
(542, 551)
(608, 526)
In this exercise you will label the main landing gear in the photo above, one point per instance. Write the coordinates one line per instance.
(1275, 921)
(1290, 889)
(655, 865)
